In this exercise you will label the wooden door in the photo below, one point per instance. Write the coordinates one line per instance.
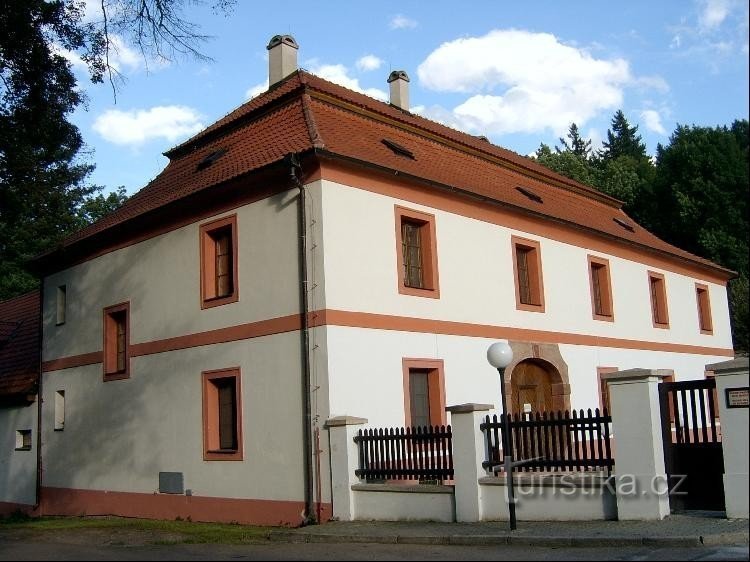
(531, 384)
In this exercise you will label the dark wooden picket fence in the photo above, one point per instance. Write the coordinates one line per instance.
(405, 453)
(551, 442)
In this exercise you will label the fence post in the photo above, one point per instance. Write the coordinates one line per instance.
(344, 461)
(734, 433)
(468, 454)
(640, 474)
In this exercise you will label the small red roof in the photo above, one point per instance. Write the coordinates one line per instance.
(306, 114)
(19, 346)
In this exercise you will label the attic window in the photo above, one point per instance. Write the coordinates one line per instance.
(398, 149)
(211, 158)
(626, 225)
(530, 194)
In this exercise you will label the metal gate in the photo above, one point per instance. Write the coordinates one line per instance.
(692, 444)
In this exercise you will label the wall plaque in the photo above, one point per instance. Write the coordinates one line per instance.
(737, 397)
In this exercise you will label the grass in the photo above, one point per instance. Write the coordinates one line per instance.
(179, 531)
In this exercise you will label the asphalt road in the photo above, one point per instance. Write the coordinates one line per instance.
(33, 550)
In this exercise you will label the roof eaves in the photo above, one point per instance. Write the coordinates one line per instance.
(546, 176)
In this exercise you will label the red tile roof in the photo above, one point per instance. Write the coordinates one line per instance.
(19, 345)
(304, 113)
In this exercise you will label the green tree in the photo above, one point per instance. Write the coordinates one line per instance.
(576, 144)
(701, 190)
(622, 140)
(567, 164)
(44, 193)
(42, 181)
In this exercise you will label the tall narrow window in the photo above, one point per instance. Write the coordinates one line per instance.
(658, 291)
(527, 269)
(218, 243)
(601, 289)
(416, 249)
(116, 342)
(419, 394)
(62, 303)
(424, 392)
(222, 415)
(59, 410)
(704, 309)
(23, 440)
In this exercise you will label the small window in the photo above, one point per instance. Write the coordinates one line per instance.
(704, 309)
(658, 291)
(424, 392)
(116, 342)
(23, 440)
(527, 268)
(530, 194)
(222, 415)
(62, 303)
(417, 253)
(60, 410)
(626, 225)
(601, 289)
(219, 262)
(398, 149)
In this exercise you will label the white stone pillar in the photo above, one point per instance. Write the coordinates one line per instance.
(344, 461)
(468, 455)
(733, 376)
(640, 473)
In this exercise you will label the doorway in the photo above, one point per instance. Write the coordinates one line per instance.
(531, 386)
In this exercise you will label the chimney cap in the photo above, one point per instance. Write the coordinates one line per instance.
(398, 74)
(279, 39)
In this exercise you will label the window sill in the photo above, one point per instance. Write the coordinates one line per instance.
(116, 375)
(530, 307)
(223, 455)
(23, 449)
(604, 317)
(219, 301)
(419, 292)
(661, 326)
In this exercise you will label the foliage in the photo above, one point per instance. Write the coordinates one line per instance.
(694, 196)
(44, 193)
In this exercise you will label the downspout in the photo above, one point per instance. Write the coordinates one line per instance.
(38, 498)
(295, 169)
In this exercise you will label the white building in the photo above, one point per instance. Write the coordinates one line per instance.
(319, 253)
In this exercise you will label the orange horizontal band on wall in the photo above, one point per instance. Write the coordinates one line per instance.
(368, 320)
(68, 501)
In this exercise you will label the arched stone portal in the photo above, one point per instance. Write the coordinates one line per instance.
(538, 376)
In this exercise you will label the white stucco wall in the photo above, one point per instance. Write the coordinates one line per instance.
(476, 277)
(161, 279)
(366, 376)
(17, 468)
(120, 434)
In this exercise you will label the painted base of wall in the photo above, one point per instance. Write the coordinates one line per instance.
(71, 502)
(7, 509)
(389, 502)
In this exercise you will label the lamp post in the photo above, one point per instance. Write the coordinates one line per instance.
(500, 355)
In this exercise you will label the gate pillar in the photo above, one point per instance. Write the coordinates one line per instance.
(732, 376)
(640, 476)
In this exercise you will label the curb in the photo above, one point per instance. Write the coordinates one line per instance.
(720, 539)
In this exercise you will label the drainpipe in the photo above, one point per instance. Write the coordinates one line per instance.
(295, 170)
(38, 498)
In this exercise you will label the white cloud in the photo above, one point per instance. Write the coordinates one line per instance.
(400, 21)
(520, 81)
(138, 126)
(654, 82)
(72, 57)
(369, 62)
(713, 13)
(652, 120)
(339, 74)
(256, 90)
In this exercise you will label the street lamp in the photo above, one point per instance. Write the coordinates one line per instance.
(500, 355)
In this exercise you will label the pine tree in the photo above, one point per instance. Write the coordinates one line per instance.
(622, 140)
(577, 145)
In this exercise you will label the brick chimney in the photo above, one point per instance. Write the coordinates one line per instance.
(399, 82)
(282, 58)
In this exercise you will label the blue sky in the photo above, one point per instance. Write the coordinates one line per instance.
(517, 72)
